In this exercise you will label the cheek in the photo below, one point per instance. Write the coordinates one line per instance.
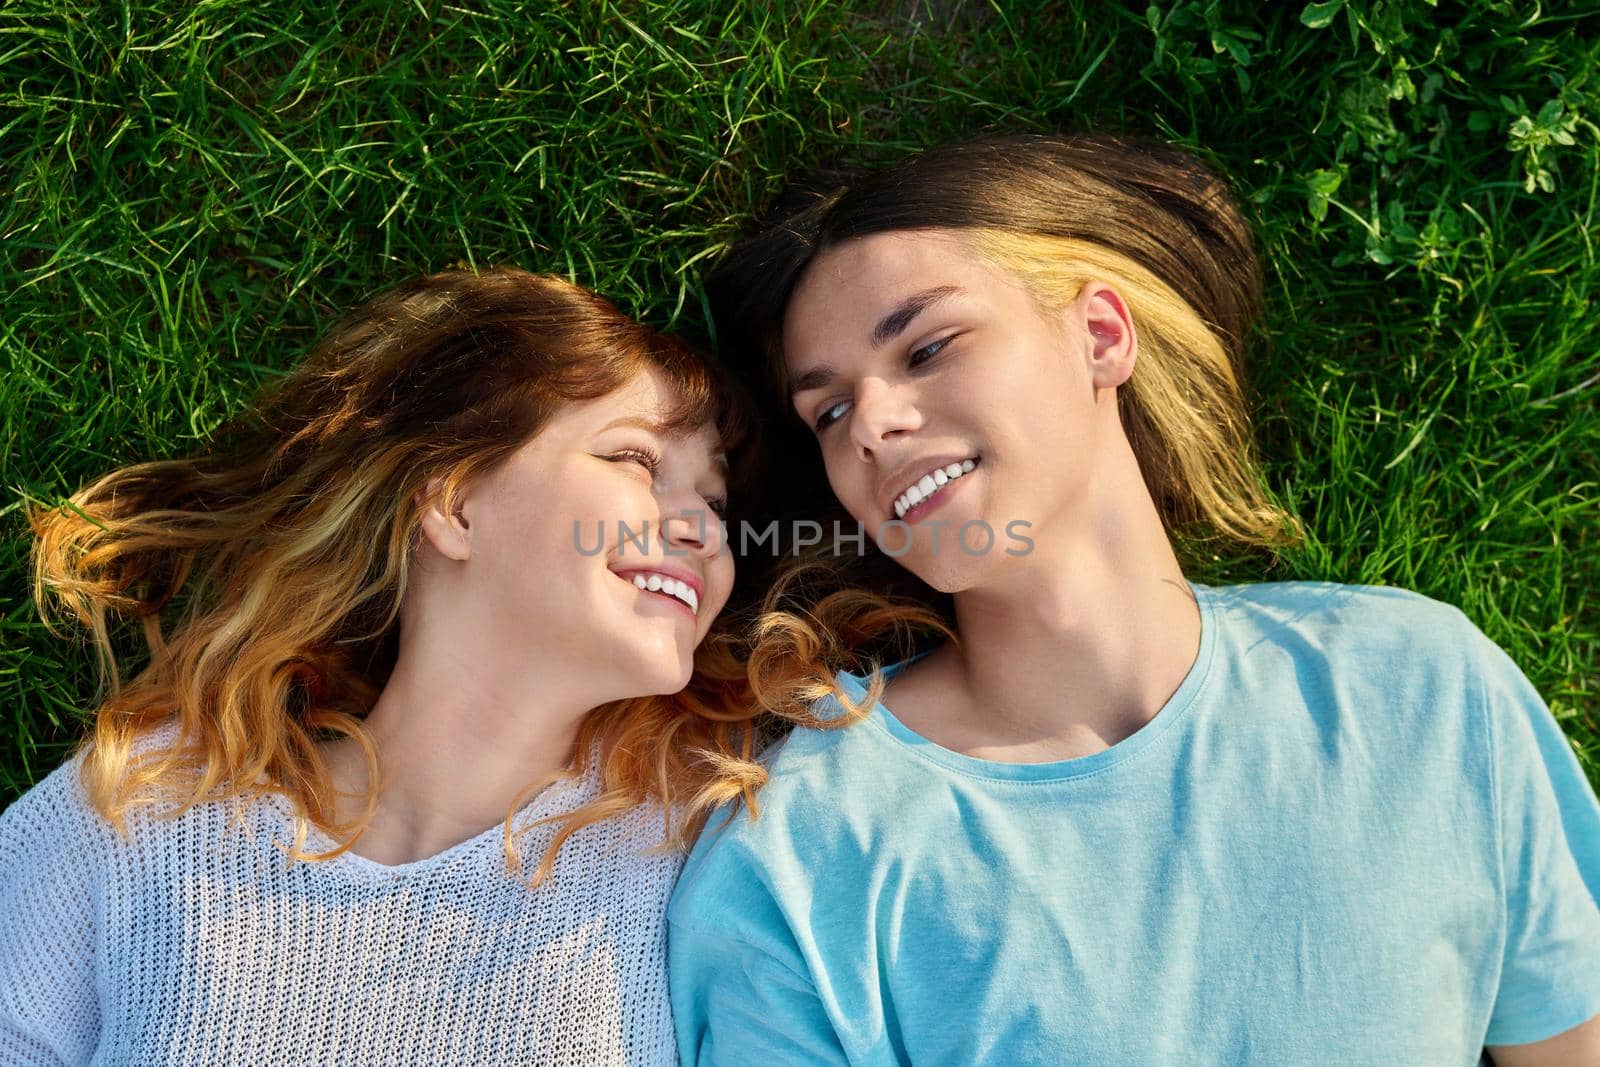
(578, 521)
(852, 486)
(610, 496)
(840, 463)
(719, 576)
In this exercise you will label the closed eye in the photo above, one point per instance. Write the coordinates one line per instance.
(647, 459)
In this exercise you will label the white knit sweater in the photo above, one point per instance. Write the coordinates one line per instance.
(193, 942)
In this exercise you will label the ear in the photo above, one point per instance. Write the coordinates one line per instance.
(446, 531)
(1108, 325)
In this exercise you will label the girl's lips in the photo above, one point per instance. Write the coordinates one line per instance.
(659, 596)
(693, 581)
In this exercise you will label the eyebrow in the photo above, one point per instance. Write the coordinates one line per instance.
(888, 328)
(815, 378)
(657, 428)
(660, 429)
(894, 324)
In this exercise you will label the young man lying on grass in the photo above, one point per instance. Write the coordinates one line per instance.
(1116, 817)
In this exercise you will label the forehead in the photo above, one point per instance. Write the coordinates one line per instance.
(650, 397)
(647, 394)
(848, 288)
(646, 399)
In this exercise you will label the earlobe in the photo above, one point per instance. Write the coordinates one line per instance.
(446, 530)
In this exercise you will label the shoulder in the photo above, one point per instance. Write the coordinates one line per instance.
(52, 846)
(1386, 658)
(821, 808)
(58, 813)
(1372, 608)
(63, 789)
(54, 812)
(1374, 626)
(799, 766)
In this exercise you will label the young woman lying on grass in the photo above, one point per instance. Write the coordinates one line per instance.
(428, 692)
(1115, 817)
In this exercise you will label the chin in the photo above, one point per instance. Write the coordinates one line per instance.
(677, 682)
(943, 582)
(660, 671)
(947, 574)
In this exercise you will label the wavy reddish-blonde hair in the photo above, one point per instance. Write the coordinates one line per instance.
(268, 574)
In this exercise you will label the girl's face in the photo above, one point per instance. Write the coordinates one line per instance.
(564, 533)
(912, 360)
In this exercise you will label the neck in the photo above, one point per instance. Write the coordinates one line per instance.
(460, 738)
(1082, 644)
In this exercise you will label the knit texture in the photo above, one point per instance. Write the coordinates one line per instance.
(193, 941)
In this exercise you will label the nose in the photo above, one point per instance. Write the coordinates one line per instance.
(881, 411)
(691, 529)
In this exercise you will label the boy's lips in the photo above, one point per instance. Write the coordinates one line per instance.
(912, 472)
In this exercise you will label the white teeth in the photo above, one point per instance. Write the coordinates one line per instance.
(684, 592)
(657, 583)
(930, 483)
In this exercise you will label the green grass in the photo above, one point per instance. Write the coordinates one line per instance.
(189, 199)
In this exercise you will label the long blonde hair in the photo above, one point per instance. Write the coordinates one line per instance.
(1056, 212)
(267, 575)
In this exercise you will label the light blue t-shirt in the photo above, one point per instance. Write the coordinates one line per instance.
(1354, 835)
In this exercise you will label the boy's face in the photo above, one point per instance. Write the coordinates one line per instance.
(907, 353)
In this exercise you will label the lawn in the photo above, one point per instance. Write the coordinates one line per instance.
(189, 197)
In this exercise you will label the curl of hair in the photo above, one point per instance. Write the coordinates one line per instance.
(814, 622)
(279, 559)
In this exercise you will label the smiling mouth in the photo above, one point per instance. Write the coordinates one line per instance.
(930, 489)
(666, 588)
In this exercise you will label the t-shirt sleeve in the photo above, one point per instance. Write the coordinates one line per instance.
(49, 1007)
(1549, 827)
(733, 1003)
